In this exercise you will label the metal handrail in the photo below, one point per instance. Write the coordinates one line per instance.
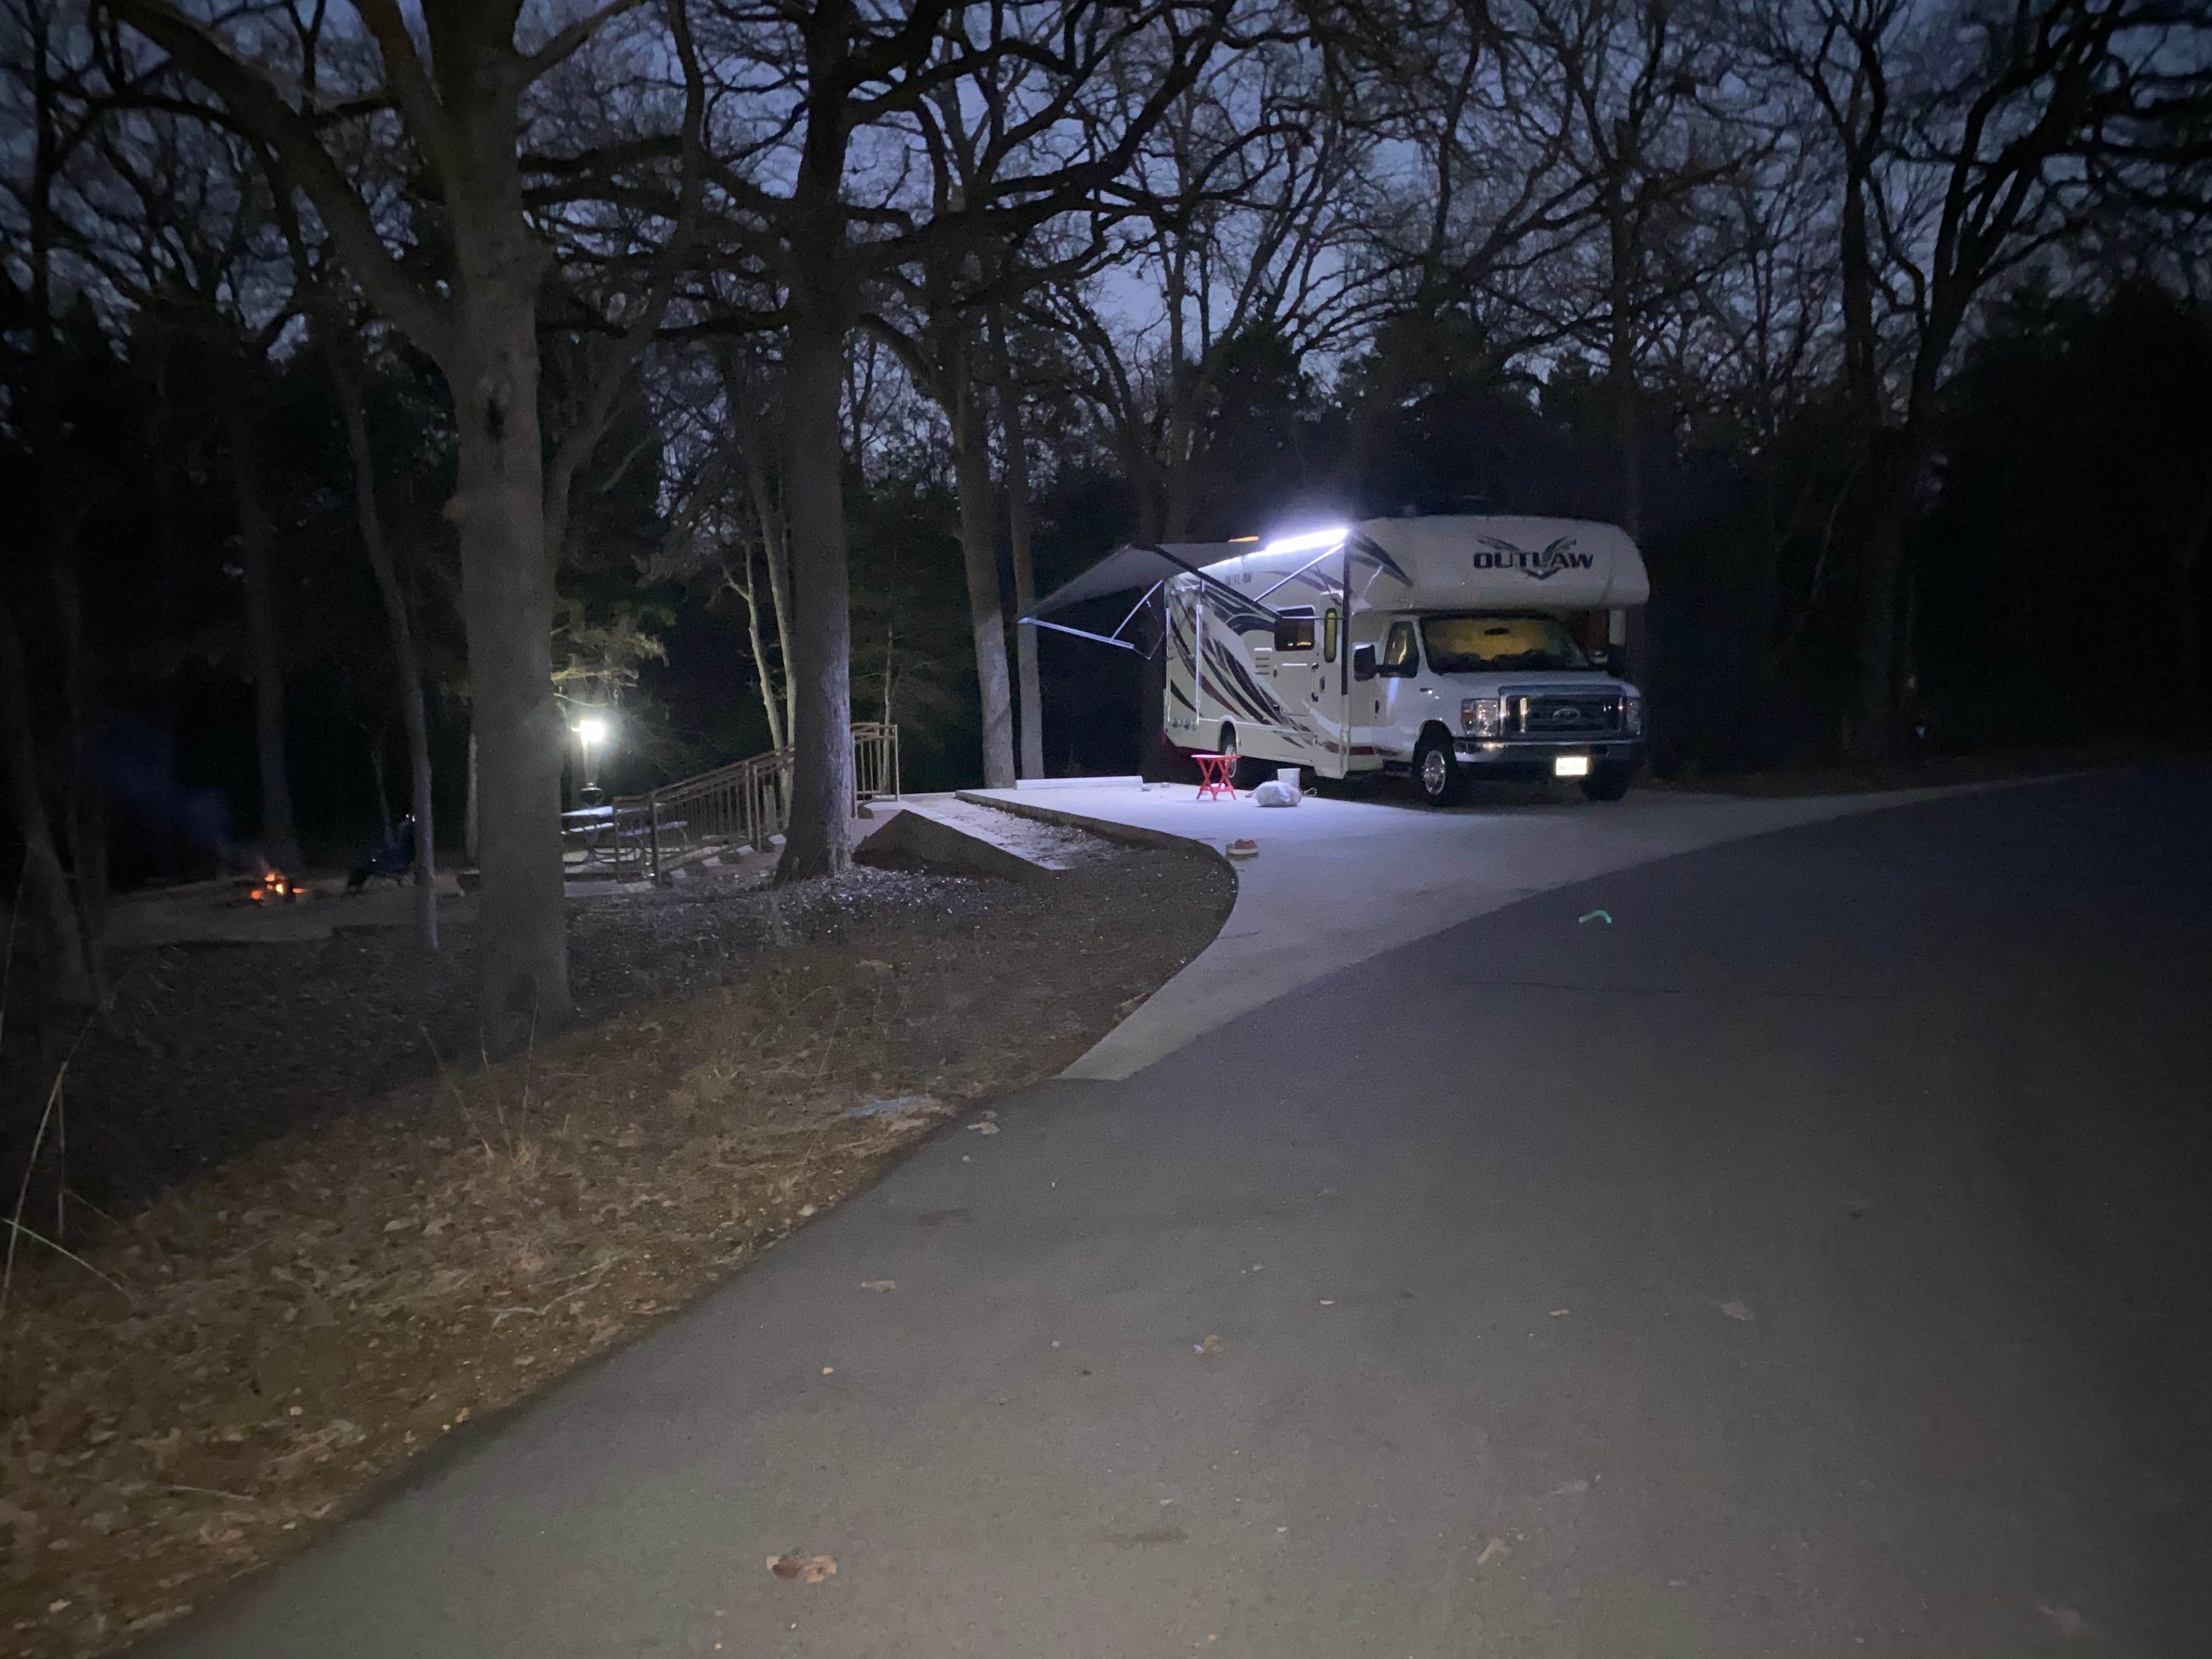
(742, 803)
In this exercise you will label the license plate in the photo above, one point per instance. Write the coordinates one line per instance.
(1570, 766)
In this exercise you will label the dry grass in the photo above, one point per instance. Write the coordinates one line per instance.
(249, 1354)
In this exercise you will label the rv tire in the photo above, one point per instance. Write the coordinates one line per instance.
(1437, 771)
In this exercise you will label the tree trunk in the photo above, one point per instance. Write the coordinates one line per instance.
(979, 554)
(1155, 759)
(1628, 425)
(1175, 502)
(891, 667)
(818, 651)
(2188, 543)
(468, 839)
(1874, 702)
(506, 602)
(771, 702)
(775, 555)
(1017, 543)
(280, 840)
(175, 850)
(2192, 701)
(87, 790)
(376, 783)
(406, 667)
(45, 881)
(1621, 371)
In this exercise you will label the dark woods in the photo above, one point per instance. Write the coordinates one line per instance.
(379, 396)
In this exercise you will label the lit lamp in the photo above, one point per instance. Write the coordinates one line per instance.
(592, 732)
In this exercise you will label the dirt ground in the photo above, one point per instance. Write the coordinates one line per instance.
(337, 1244)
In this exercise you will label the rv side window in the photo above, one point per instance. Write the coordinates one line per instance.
(1399, 654)
(1329, 636)
(1294, 631)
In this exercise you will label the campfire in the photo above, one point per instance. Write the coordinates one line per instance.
(273, 886)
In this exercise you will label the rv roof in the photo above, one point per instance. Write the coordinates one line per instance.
(1414, 564)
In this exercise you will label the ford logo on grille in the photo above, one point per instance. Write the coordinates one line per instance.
(1567, 716)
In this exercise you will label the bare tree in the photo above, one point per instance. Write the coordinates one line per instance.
(814, 180)
(716, 411)
(348, 116)
(52, 90)
(1959, 137)
(1646, 137)
(1255, 199)
(408, 684)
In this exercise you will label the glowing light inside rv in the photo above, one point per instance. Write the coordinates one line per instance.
(1312, 541)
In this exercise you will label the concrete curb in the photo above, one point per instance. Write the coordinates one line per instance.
(914, 829)
(1130, 834)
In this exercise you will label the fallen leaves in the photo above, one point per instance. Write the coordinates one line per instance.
(806, 1568)
(1211, 1344)
(1490, 1552)
(317, 1308)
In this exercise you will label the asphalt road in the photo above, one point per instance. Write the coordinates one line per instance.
(1810, 1259)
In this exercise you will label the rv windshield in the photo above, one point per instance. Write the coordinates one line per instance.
(1491, 641)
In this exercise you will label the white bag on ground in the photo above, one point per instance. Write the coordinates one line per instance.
(1281, 790)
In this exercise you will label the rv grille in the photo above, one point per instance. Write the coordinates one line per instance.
(1558, 715)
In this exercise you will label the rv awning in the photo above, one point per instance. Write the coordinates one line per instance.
(1132, 569)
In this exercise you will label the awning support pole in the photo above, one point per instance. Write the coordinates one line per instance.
(1080, 633)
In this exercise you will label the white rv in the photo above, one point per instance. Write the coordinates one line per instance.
(1444, 648)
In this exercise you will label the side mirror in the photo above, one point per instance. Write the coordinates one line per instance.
(1362, 662)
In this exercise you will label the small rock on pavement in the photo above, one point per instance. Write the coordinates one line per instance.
(807, 1569)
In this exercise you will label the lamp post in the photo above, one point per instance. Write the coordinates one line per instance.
(592, 732)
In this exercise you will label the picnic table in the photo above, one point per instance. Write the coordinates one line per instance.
(588, 827)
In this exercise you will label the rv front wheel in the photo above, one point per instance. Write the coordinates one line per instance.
(1437, 772)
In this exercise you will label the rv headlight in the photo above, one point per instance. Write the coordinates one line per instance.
(1480, 717)
(1632, 716)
